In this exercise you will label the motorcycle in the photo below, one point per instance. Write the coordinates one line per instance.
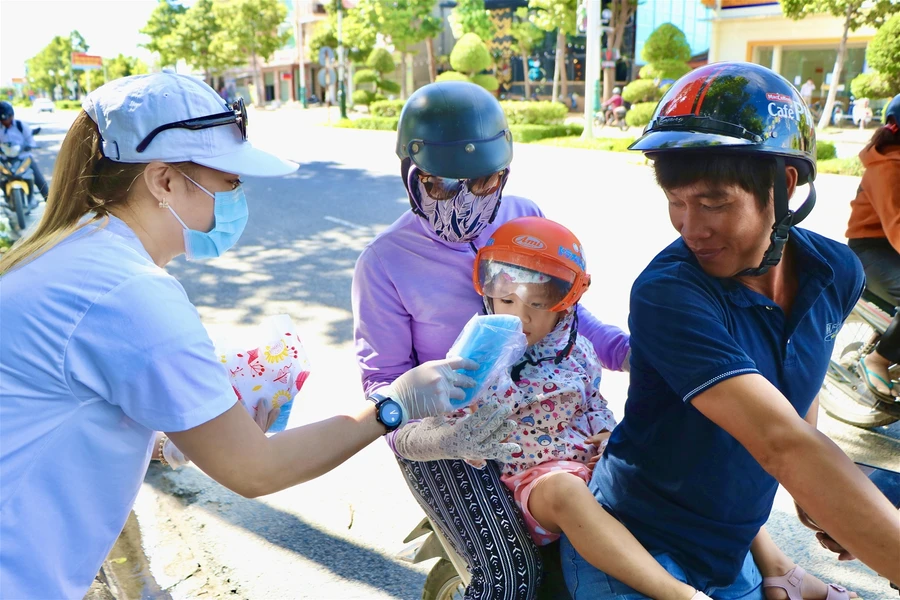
(17, 184)
(612, 117)
(449, 577)
(844, 393)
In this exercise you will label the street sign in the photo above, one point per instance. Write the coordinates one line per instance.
(608, 64)
(83, 61)
(326, 56)
(326, 76)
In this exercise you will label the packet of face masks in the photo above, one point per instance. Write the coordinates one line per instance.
(496, 343)
(272, 364)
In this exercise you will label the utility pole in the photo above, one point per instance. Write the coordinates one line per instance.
(301, 59)
(342, 96)
(593, 32)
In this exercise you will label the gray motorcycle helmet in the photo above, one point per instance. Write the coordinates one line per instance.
(454, 129)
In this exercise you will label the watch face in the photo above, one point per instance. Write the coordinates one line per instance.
(390, 413)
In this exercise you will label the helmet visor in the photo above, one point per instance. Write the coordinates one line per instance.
(541, 284)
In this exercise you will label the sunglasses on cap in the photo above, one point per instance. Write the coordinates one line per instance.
(443, 188)
(237, 116)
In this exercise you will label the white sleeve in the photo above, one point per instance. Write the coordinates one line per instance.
(142, 347)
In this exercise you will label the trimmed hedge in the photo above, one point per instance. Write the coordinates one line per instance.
(376, 123)
(487, 81)
(534, 113)
(641, 90)
(68, 104)
(607, 144)
(825, 151)
(386, 108)
(640, 114)
(532, 133)
(452, 76)
(841, 166)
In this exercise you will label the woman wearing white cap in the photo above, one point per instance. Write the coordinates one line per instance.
(100, 347)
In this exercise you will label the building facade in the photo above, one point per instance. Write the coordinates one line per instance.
(754, 31)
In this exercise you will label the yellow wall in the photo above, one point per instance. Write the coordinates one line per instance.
(733, 39)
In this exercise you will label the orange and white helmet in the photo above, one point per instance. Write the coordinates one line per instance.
(535, 258)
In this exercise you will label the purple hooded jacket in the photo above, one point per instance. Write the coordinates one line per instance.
(413, 293)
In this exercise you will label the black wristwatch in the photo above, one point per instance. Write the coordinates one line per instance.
(388, 411)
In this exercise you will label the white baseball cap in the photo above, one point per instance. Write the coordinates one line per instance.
(128, 109)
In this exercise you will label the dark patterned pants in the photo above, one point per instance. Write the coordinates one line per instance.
(478, 516)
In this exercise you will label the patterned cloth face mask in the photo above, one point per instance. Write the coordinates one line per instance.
(457, 209)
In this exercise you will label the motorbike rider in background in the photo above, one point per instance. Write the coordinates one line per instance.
(873, 233)
(17, 133)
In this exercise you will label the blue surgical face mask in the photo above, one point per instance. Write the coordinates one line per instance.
(231, 214)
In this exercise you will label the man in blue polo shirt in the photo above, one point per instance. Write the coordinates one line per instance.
(728, 352)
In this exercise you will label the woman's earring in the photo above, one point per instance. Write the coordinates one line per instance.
(164, 203)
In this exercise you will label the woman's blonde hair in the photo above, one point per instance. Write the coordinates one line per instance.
(84, 182)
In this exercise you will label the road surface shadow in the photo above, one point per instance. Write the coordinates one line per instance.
(345, 559)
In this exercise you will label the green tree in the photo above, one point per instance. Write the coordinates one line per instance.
(470, 16)
(526, 37)
(251, 29)
(666, 53)
(161, 28)
(870, 85)
(621, 12)
(469, 58)
(883, 55)
(113, 68)
(558, 16)
(52, 66)
(378, 66)
(199, 41)
(359, 39)
(855, 13)
(404, 23)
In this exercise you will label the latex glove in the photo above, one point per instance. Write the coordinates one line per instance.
(173, 455)
(266, 415)
(479, 435)
(427, 389)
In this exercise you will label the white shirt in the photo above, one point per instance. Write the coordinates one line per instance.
(12, 135)
(99, 348)
(807, 90)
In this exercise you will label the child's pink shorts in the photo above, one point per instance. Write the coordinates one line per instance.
(522, 483)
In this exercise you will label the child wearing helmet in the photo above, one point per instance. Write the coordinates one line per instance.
(534, 268)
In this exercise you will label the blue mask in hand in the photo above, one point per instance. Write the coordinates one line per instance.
(231, 214)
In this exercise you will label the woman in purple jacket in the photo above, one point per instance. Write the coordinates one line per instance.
(412, 295)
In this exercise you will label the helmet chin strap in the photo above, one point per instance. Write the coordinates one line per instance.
(785, 218)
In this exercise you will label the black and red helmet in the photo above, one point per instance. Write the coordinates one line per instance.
(744, 108)
(734, 106)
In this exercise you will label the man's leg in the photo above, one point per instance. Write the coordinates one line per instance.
(477, 515)
(39, 180)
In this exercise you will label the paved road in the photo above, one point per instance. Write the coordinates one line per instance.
(336, 537)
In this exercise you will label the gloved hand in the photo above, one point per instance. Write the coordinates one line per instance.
(427, 389)
(479, 435)
(173, 455)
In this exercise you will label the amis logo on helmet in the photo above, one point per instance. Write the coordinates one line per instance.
(527, 241)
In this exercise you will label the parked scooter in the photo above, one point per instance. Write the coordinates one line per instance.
(844, 394)
(16, 184)
(449, 577)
